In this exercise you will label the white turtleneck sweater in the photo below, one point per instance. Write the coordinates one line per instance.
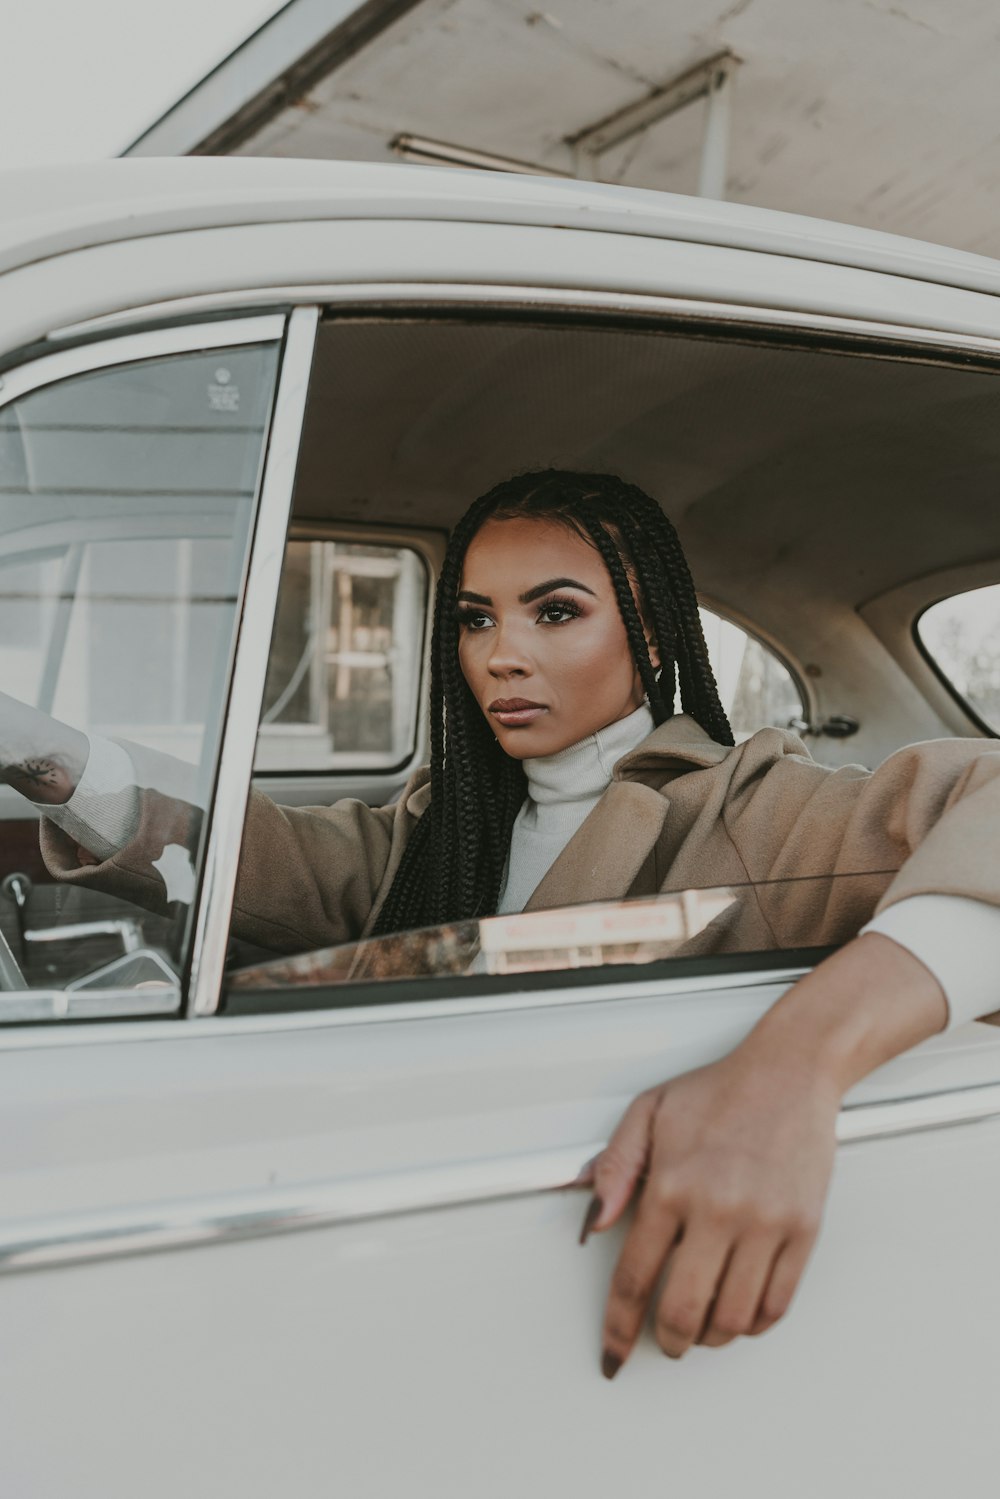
(955, 937)
(562, 790)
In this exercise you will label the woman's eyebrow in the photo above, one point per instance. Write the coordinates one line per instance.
(536, 593)
(467, 597)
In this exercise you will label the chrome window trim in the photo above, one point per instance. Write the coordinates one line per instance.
(259, 602)
(27, 1005)
(776, 980)
(432, 294)
(187, 1223)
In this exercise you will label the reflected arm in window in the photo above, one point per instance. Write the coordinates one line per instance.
(40, 757)
(125, 820)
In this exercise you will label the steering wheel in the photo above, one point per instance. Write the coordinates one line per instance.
(16, 888)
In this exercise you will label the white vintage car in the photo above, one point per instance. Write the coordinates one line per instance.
(306, 1229)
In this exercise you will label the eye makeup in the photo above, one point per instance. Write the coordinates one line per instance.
(466, 614)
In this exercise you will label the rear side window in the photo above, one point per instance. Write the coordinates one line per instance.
(344, 675)
(757, 689)
(961, 635)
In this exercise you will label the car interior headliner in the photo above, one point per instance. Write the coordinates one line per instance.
(814, 476)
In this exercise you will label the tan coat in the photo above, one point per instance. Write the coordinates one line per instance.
(681, 812)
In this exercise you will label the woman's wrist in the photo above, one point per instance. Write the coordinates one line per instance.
(865, 1004)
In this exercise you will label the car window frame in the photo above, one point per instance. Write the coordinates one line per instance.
(838, 331)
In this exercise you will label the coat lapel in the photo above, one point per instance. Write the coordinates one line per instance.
(604, 856)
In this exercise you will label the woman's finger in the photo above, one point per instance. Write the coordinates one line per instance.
(693, 1277)
(741, 1290)
(647, 1244)
(784, 1281)
(619, 1168)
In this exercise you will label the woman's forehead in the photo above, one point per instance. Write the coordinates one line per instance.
(503, 550)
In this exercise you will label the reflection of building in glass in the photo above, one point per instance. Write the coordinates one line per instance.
(344, 674)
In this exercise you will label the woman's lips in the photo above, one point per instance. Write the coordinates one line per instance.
(515, 712)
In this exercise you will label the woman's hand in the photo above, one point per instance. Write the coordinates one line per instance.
(40, 757)
(730, 1164)
(736, 1159)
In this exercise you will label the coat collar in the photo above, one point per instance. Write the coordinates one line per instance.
(604, 858)
(679, 744)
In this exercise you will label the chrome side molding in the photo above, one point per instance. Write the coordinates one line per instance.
(152, 1228)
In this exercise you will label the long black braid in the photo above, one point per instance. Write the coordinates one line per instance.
(454, 862)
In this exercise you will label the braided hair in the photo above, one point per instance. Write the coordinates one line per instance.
(453, 864)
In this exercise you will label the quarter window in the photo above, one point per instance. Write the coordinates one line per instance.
(962, 637)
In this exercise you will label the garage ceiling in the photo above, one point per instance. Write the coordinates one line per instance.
(865, 111)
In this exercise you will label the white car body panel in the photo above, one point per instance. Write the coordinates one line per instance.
(471, 1332)
(420, 225)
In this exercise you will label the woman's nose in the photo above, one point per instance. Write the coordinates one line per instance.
(508, 656)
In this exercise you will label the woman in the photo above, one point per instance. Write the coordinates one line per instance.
(565, 617)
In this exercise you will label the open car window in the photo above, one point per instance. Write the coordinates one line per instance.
(781, 465)
(128, 497)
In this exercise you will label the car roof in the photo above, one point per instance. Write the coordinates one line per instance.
(54, 210)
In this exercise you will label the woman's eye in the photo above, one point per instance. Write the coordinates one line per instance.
(558, 611)
(469, 619)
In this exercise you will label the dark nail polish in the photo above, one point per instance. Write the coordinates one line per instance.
(583, 1175)
(592, 1215)
(610, 1364)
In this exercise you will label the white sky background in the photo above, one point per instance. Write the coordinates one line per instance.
(81, 79)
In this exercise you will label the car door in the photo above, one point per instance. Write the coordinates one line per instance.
(329, 1243)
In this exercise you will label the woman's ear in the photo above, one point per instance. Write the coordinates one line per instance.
(654, 652)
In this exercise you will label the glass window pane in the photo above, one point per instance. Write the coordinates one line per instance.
(343, 685)
(757, 690)
(962, 637)
(804, 916)
(126, 502)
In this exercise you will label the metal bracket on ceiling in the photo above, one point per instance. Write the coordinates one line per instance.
(440, 153)
(710, 80)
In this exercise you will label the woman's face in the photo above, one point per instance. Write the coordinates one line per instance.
(542, 644)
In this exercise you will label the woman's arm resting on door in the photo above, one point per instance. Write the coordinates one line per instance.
(729, 1165)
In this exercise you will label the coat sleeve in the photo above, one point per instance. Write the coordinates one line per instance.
(308, 876)
(927, 821)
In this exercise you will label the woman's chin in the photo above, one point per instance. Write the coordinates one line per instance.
(532, 743)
